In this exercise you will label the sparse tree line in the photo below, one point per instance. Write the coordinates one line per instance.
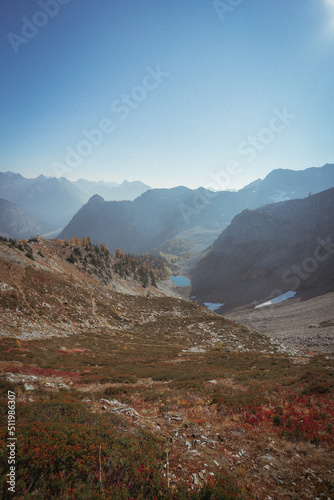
(147, 269)
(22, 245)
(97, 254)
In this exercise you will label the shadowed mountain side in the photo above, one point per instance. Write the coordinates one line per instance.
(16, 223)
(268, 251)
(133, 226)
(99, 217)
(196, 217)
(152, 219)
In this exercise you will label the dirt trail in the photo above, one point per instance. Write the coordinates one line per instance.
(24, 298)
(94, 313)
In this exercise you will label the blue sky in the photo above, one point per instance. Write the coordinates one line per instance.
(184, 92)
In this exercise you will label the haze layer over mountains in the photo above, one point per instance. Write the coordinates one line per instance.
(158, 217)
(265, 237)
(55, 201)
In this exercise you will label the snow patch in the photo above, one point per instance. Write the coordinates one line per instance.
(212, 306)
(280, 298)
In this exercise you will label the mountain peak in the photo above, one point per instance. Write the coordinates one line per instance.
(96, 198)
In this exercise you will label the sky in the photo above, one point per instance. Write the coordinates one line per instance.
(210, 93)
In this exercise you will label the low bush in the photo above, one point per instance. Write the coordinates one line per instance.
(67, 451)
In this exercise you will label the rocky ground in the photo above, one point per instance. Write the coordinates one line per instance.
(224, 398)
(304, 325)
(299, 325)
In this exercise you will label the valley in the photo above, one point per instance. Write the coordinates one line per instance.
(124, 391)
(167, 250)
(127, 382)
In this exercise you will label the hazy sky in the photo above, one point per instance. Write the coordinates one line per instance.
(191, 92)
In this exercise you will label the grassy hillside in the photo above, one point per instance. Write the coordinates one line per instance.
(129, 396)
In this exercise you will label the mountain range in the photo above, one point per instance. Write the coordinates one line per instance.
(176, 220)
(111, 190)
(194, 218)
(54, 200)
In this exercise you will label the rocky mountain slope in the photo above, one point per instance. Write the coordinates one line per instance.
(183, 218)
(138, 394)
(300, 324)
(269, 251)
(51, 287)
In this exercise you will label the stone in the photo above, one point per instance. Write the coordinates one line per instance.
(268, 457)
(28, 387)
(196, 480)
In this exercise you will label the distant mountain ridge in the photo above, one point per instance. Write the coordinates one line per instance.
(196, 217)
(57, 200)
(111, 190)
(263, 253)
(284, 184)
(148, 218)
(16, 223)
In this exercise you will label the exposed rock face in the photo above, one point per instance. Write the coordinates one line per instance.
(269, 251)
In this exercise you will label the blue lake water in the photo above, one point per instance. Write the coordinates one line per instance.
(180, 280)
